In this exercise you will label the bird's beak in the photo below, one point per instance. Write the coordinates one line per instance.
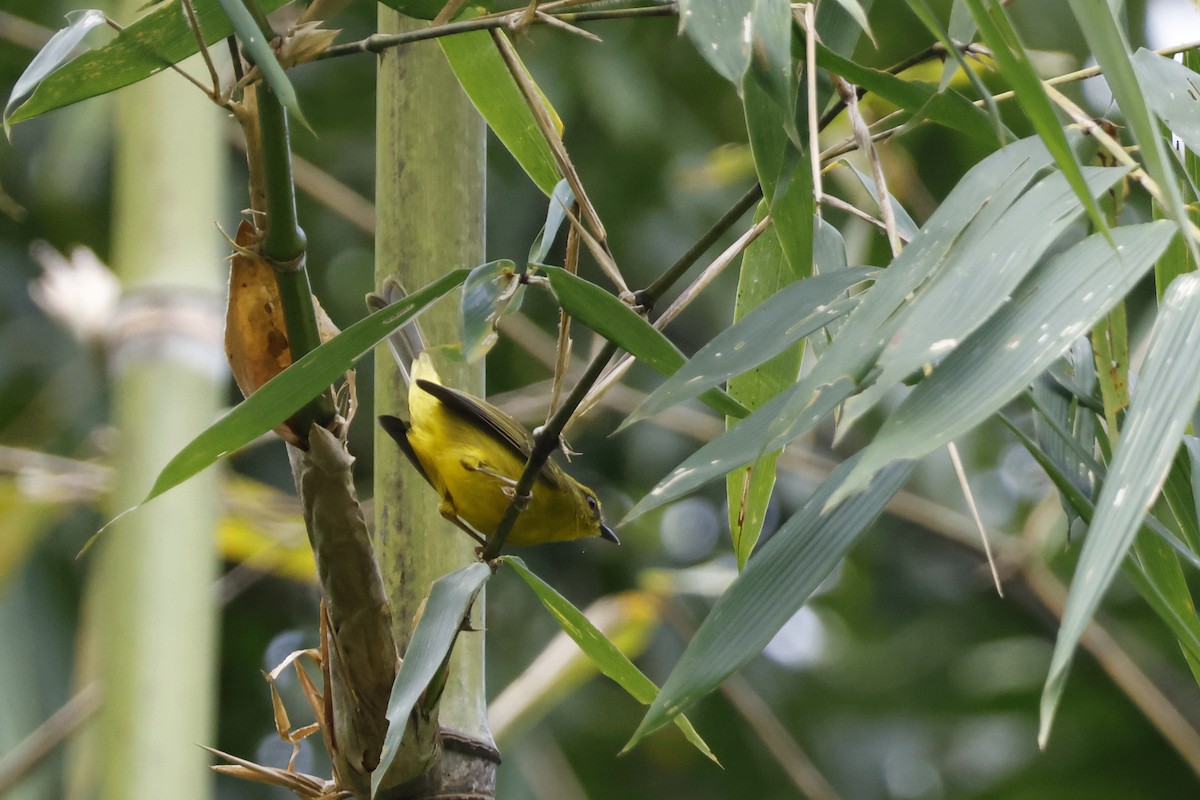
(607, 533)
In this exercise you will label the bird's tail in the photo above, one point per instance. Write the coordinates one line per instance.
(406, 343)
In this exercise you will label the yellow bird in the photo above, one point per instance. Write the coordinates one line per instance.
(473, 454)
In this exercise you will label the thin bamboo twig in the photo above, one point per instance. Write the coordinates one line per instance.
(855, 211)
(863, 136)
(377, 43)
(534, 101)
(810, 77)
(562, 349)
(847, 145)
(710, 273)
(961, 474)
(39, 745)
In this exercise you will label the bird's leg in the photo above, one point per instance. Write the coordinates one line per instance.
(508, 485)
(448, 512)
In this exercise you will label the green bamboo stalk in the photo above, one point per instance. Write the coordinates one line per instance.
(430, 212)
(150, 615)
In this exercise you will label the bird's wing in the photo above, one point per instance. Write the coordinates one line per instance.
(506, 429)
(398, 430)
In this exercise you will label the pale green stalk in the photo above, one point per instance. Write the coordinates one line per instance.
(430, 219)
(150, 616)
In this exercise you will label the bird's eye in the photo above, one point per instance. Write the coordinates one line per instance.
(593, 506)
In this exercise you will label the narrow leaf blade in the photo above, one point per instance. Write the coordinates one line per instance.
(449, 599)
(53, 55)
(792, 313)
(617, 322)
(1015, 65)
(1161, 409)
(147, 46)
(481, 72)
(1058, 303)
(775, 584)
(258, 47)
(489, 292)
(607, 657)
(289, 390)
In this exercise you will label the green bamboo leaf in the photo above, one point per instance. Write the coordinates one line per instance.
(764, 273)
(260, 52)
(1006, 47)
(789, 315)
(617, 322)
(1178, 494)
(962, 28)
(1154, 584)
(490, 291)
(718, 30)
(1161, 581)
(1064, 409)
(904, 223)
(56, 52)
(1170, 89)
(923, 100)
(859, 15)
(481, 72)
(747, 441)
(734, 34)
(561, 200)
(147, 46)
(784, 173)
(775, 584)
(1056, 305)
(450, 598)
(837, 29)
(1107, 43)
(288, 391)
(771, 65)
(982, 195)
(829, 248)
(603, 653)
(1166, 396)
(979, 200)
(978, 278)
(1192, 445)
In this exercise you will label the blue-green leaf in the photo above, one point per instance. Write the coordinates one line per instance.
(449, 599)
(1166, 396)
(983, 194)
(485, 78)
(1014, 64)
(1107, 43)
(561, 200)
(789, 315)
(775, 584)
(490, 291)
(1056, 304)
(977, 278)
(56, 52)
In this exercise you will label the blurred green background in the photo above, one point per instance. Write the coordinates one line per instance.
(907, 677)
